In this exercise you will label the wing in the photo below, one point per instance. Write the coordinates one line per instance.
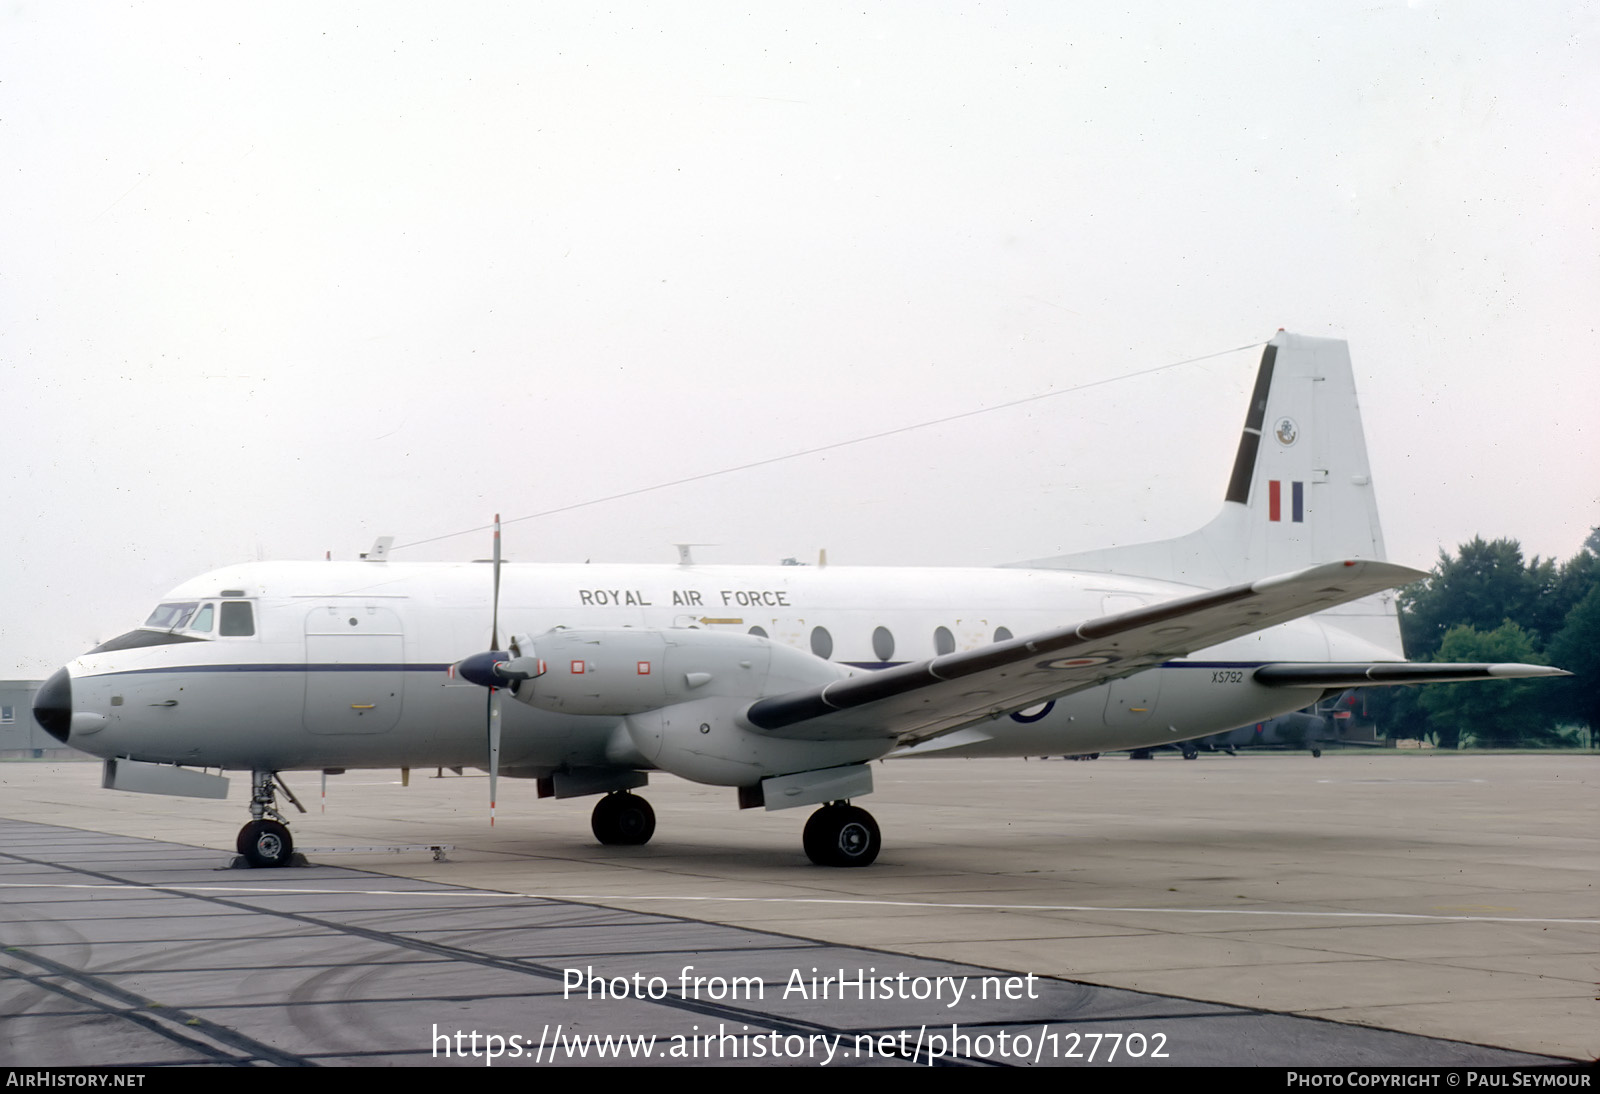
(915, 702)
(1369, 674)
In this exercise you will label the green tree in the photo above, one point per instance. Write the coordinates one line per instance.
(1484, 585)
(1576, 648)
(1578, 575)
(1499, 714)
(1399, 714)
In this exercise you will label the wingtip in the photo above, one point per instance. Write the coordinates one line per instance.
(1513, 671)
(1390, 571)
(1390, 574)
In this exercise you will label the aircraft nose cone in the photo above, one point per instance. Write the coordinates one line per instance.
(52, 705)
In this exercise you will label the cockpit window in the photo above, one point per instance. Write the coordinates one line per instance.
(237, 619)
(170, 617)
(202, 618)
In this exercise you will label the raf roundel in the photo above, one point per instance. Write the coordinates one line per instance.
(1073, 662)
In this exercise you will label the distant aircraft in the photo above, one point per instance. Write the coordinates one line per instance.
(782, 683)
(1329, 720)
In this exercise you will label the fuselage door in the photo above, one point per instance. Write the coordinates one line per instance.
(355, 668)
(1131, 701)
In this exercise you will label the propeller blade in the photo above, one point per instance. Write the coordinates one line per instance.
(494, 692)
(494, 749)
(494, 625)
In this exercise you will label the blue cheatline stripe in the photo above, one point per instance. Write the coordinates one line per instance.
(1164, 665)
(300, 666)
(1299, 502)
(289, 666)
(1215, 664)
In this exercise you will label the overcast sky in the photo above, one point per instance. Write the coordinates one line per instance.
(278, 279)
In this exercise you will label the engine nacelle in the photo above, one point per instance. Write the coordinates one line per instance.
(683, 694)
(628, 671)
(706, 741)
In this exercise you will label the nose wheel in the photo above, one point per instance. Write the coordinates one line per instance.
(265, 841)
(842, 835)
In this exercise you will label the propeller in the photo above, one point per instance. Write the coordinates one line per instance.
(494, 692)
(496, 670)
(480, 669)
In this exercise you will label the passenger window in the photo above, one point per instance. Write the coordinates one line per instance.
(1002, 634)
(759, 632)
(821, 642)
(238, 621)
(943, 641)
(202, 618)
(883, 643)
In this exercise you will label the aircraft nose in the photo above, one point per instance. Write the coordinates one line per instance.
(52, 705)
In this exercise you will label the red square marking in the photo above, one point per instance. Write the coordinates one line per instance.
(577, 668)
(644, 668)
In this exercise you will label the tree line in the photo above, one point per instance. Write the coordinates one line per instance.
(1486, 603)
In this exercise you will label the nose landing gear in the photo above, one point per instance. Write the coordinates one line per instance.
(266, 842)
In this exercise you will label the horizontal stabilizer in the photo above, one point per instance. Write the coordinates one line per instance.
(1391, 672)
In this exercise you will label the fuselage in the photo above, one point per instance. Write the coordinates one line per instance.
(346, 664)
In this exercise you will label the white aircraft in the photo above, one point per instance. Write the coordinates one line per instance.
(780, 682)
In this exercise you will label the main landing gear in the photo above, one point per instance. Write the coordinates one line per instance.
(840, 834)
(266, 842)
(623, 819)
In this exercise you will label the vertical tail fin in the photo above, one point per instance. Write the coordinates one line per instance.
(1300, 492)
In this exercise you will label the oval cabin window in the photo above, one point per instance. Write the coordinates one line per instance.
(883, 643)
(821, 642)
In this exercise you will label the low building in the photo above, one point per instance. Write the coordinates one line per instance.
(20, 736)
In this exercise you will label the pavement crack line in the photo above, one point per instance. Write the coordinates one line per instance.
(175, 1024)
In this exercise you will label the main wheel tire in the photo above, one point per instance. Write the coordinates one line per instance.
(842, 835)
(623, 820)
(265, 843)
